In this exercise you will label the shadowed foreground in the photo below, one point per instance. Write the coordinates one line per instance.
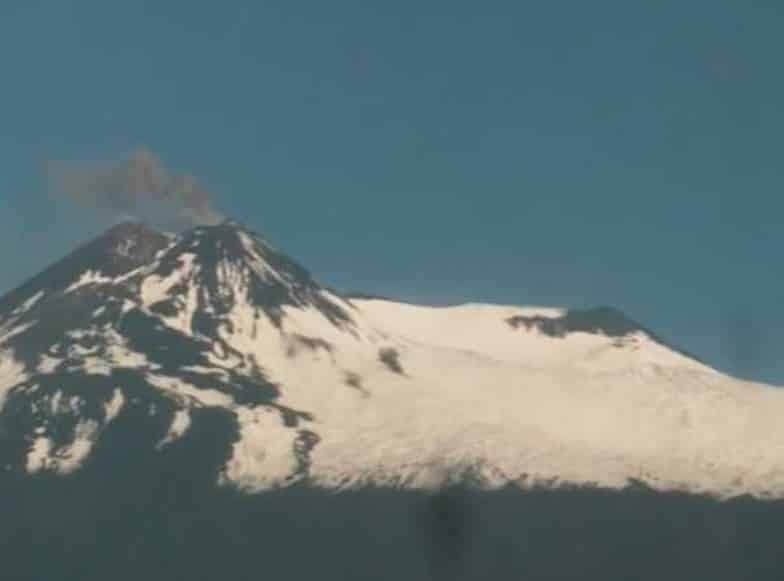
(84, 528)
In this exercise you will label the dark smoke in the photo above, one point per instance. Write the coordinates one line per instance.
(139, 187)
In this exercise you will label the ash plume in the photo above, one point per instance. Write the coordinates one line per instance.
(138, 187)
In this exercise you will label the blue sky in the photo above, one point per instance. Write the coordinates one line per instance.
(568, 153)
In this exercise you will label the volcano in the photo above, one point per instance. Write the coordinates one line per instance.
(166, 366)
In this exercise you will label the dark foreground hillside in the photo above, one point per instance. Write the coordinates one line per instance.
(139, 527)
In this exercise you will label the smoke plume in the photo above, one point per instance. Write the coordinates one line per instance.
(139, 187)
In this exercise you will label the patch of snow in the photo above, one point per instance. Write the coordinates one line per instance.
(180, 424)
(117, 353)
(130, 274)
(47, 364)
(336, 300)
(75, 404)
(214, 371)
(43, 455)
(114, 406)
(55, 402)
(257, 263)
(71, 457)
(38, 457)
(96, 366)
(8, 334)
(263, 456)
(12, 374)
(28, 304)
(89, 277)
(125, 247)
(155, 288)
(206, 397)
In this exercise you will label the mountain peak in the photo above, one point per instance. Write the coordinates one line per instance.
(129, 227)
(117, 251)
(132, 240)
(228, 265)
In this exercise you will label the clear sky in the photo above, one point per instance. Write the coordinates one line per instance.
(566, 153)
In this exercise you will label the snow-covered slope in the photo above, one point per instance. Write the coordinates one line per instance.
(143, 330)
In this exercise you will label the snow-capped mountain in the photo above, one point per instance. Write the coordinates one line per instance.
(138, 339)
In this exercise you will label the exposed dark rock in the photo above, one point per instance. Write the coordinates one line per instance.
(217, 246)
(296, 341)
(607, 321)
(303, 446)
(353, 379)
(116, 252)
(390, 357)
(604, 320)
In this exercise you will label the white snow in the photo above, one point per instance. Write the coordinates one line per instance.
(263, 456)
(77, 334)
(188, 392)
(125, 247)
(55, 402)
(71, 457)
(12, 374)
(75, 404)
(114, 406)
(7, 333)
(27, 304)
(119, 354)
(260, 266)
(66, 459)
(155, 288)
(180, 424)
(96, 366)
(47, 364)
(511, 405)
(482, 330)
(38, 455)
(89, 277)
